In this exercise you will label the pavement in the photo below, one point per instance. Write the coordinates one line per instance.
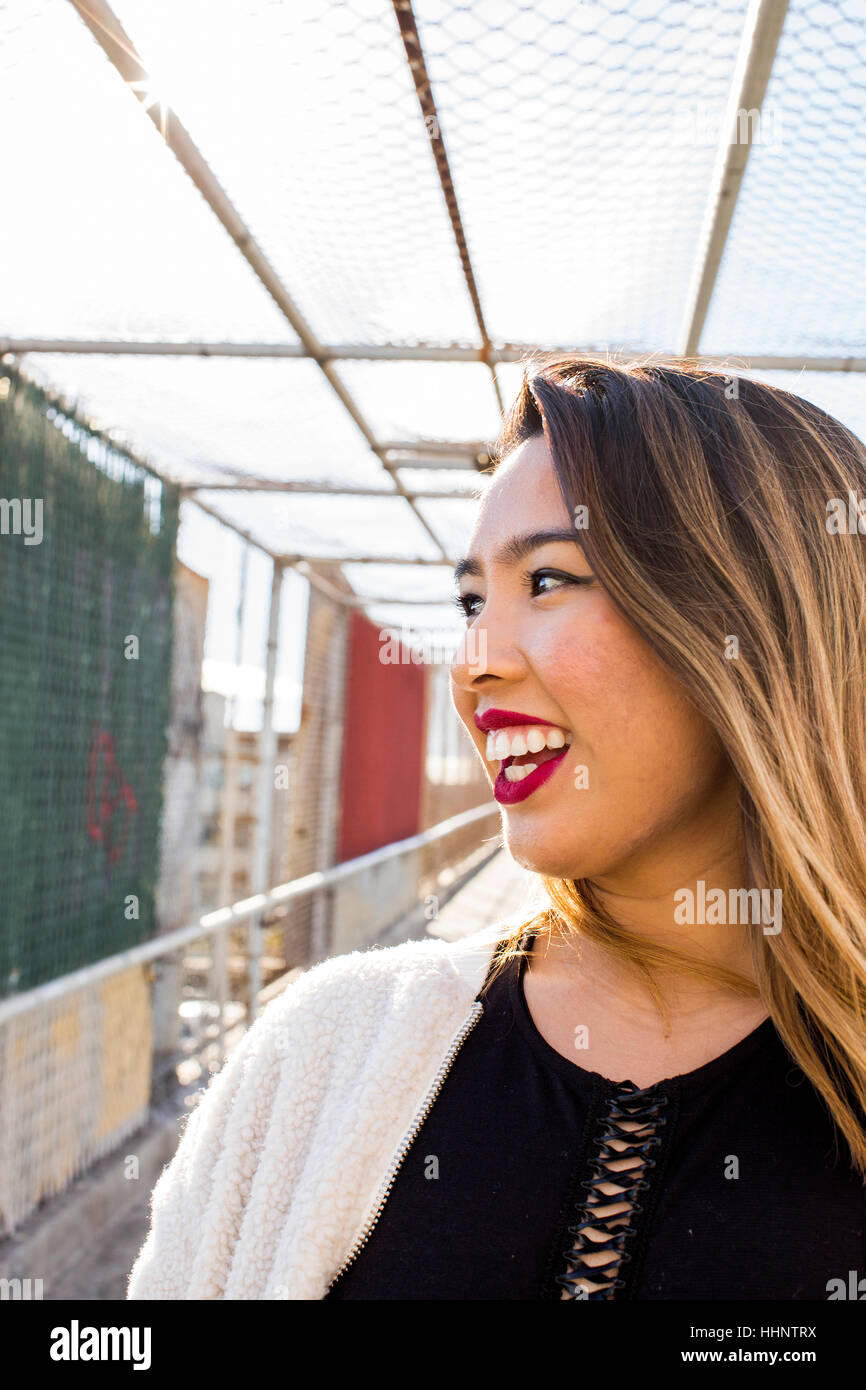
(101, 1272)
(85, 1254)
(501, 891)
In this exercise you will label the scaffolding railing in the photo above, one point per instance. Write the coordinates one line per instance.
(234, 915)
(84, 1057)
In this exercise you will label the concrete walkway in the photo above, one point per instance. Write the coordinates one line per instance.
(500, 892)
(81, 1255)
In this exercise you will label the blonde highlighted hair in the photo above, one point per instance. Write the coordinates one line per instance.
(712, 502)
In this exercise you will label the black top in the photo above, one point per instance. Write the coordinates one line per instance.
(740, 1186)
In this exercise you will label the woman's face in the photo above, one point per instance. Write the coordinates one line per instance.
(641, 774)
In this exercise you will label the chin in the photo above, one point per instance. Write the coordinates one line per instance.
(544, 859)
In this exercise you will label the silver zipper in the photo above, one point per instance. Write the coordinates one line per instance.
(409, 1137)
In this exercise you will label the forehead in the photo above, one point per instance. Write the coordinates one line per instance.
(523, 495)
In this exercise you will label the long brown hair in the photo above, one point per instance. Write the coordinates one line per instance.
(716, 510)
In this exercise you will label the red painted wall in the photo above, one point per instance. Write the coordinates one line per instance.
(383, 747)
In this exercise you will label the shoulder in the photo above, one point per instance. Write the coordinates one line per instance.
(360, 1005)
(382, 978)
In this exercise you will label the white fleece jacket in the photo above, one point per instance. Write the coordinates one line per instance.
(282, 1160)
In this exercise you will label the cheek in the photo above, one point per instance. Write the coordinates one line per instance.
(599, 672)
(631, 718)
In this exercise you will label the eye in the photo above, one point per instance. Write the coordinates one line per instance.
(464, 603)
(532, 578)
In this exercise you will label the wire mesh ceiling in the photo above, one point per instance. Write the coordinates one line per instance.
(290, 255)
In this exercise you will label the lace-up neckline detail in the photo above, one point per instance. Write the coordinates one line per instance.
(629, 1128)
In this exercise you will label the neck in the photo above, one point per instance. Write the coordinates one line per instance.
(643, 903)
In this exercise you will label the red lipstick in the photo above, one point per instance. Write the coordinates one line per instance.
(503, 718)
(505, 792)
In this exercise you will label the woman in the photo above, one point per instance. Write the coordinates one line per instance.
(656, 1089)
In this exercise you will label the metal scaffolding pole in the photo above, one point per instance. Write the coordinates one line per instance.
(220, 955)
(298, 560)
(264, 795)
(410, 352)
(761, 36)
(255, 484)
(424, 92)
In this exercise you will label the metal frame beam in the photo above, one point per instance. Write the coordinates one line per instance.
(424, 91)
(414, 352)
(312, 488)
(761, 34)
(264, 794)
(121, 52)
(367, 560)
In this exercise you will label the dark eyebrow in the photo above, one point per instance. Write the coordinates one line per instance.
(515, 549)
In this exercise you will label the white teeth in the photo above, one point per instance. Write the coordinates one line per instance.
(517, 774)
(513, 742)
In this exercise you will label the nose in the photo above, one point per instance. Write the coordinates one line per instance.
(488, 654)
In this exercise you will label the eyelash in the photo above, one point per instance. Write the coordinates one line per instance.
(528, 576)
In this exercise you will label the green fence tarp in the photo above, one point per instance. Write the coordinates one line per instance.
(86, 571)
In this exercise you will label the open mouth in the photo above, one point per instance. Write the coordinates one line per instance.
(521, 749)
